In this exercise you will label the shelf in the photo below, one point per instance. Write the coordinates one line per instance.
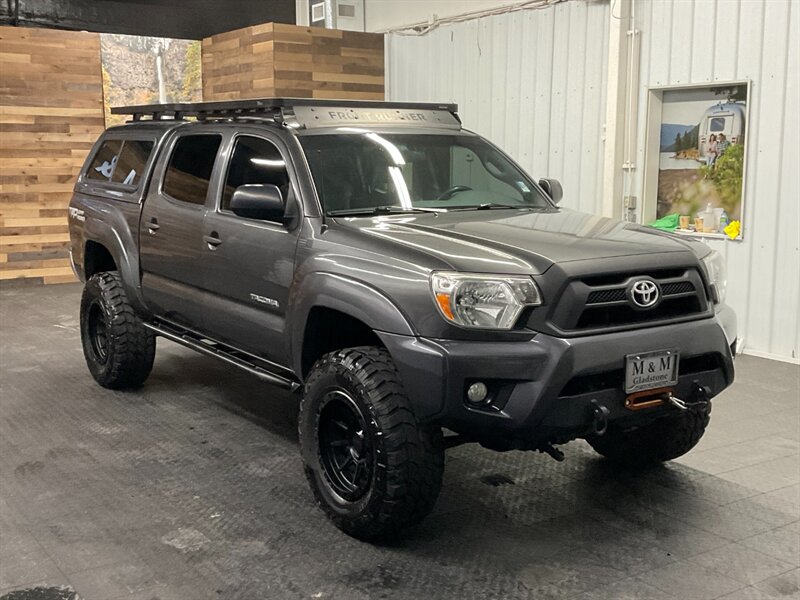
(716, 236)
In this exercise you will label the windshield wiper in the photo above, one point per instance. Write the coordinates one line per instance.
(384, 209)
(491, 205)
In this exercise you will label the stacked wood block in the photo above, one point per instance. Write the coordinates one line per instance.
(275, 59)
(51, 112)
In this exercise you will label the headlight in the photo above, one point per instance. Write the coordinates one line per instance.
(714, 264)
(483, 301)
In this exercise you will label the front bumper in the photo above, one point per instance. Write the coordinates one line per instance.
(543, 389)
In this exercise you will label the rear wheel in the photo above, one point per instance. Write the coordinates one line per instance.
(118, 348)
(372, 467)
(662, 440)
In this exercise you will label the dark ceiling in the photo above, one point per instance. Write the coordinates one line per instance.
(190, 19)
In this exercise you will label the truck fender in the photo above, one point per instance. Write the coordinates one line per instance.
(116, 236)
(350, 296)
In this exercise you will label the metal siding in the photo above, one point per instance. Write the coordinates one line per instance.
(726, 40)
(533, 82)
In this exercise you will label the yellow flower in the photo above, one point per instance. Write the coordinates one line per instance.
(732, 229)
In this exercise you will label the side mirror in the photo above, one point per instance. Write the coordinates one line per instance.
(552, 188)
(262, 201)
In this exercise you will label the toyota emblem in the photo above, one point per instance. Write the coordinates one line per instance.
(644, 293)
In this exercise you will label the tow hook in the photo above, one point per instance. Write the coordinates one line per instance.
(599, 417)
(700, 397)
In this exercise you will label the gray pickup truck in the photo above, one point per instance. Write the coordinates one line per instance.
(406, 278)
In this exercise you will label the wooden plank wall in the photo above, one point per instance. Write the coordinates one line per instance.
(276, 59)
(51, 112)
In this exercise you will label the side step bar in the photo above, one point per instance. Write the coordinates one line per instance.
(231, 356)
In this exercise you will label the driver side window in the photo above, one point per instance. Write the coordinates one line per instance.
(468, 170)
(254, 160)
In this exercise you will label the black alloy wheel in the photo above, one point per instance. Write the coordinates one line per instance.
(98, 332)
(373, 467)
(346, 453)
(118, 348)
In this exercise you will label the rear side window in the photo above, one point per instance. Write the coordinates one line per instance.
(102, 167)
(190, 167)
(132, 161)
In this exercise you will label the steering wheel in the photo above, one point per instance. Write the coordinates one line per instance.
(449, 193)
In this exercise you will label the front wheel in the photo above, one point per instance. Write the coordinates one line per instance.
(662, 440)
(372, 467)
(118, 348)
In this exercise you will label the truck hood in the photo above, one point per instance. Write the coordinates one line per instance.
(516, 242)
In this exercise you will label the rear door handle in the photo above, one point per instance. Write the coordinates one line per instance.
(212, 240)
(153, 226)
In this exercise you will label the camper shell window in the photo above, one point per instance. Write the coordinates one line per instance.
(102, 166)
(132, 162)
(121, 162)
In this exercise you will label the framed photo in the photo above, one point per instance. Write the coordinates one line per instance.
(696, 155)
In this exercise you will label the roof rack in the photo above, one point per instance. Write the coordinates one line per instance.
(300, 112)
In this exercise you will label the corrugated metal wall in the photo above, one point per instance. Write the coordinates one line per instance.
(533, 82)
(726, 40)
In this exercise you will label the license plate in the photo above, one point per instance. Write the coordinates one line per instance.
(651, 370)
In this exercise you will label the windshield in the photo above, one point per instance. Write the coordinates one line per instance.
(366, 171)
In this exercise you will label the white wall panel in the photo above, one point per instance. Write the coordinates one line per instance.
(726, 40)
(388, 14)
(533, 82)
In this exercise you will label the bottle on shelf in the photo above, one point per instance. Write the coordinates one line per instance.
(723, 221)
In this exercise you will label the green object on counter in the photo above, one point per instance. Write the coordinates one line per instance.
(668, 223)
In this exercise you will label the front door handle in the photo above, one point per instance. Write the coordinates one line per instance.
(212, 240)
(153, 226)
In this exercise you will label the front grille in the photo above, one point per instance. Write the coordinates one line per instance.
(678, 287)
(606, 296)
(586, 384)
(698, 364)
(623, 314)
(620, 278)
(619, 295)
(600, 301)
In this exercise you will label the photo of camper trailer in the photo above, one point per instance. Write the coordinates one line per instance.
(702, 151)
(722, 119)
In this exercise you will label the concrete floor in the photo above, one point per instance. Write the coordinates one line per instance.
(192, 489)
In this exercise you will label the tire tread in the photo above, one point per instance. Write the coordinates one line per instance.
(413, 452)
(133, 352)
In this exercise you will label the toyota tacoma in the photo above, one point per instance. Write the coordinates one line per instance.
(406, 278)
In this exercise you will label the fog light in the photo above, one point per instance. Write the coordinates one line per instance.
(477, 392)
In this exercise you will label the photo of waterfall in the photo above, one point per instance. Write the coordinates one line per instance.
(148, 70)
